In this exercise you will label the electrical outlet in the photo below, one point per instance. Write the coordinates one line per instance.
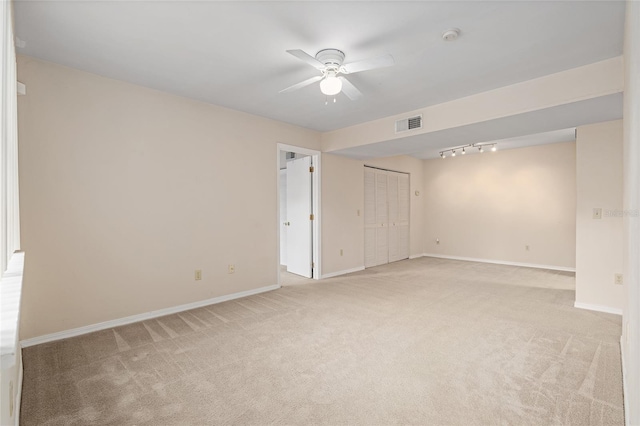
(198, 274)
(526, 248)
(437, 241)
(358, 212)
(341, 253)
(617, 279)
(232, 268)
(597, 213)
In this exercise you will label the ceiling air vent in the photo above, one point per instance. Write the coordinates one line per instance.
(410, 123)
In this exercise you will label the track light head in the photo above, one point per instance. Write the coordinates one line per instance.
(463, 151)
(453, 153)
(480, 149)
(493, 148)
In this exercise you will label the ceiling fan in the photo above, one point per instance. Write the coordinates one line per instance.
(332, 79)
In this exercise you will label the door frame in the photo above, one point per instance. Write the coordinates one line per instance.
(316, 201)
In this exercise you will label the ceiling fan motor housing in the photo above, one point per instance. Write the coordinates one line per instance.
(332, 58)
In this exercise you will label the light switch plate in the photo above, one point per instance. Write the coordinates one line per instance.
(597, 213)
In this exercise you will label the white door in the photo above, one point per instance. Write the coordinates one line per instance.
(402, 224)
(299, 209)
(283, 217)
(392, 202)
(386, 216)
(369, 217)
(382, 219)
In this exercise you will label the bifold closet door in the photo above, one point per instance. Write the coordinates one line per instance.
(369, 217)
(386, 216)
(401, 225)
(382, 218)
(376, 218)
(392, 203)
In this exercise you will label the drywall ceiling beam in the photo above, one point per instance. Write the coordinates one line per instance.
(570, 86)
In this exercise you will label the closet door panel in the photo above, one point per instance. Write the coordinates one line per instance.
(402, 224)
(369, 197)
(370, 247)
(382, 218)
(394, 253)
(382, 215)
(370, 225)
(392, 196)
(403, 241)
(386, 216)
(403, 198)
(382, 245)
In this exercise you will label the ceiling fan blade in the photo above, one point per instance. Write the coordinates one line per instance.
(369, 64)
(304, 56)
(302, 84)
(350, 90)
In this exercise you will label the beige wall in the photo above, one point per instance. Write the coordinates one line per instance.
(342, 227)
(490, 206)
(125, 191)
(343, 196)
(599, 242)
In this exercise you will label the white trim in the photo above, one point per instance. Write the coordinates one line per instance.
(10, 299)
(346, 271)
(317, 199)
(297, 149)
(598, 308)
(501, 262)
(18, 397)
(625, 401)
(415, 256)
(141, 317)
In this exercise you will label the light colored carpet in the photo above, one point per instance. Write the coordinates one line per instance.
(424, 341)
(289, 279)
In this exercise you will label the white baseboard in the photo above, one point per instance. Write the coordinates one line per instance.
(501, 262)
(415, 256)
(624, 384)
(141, 317)
(598, 308)
(346, 271)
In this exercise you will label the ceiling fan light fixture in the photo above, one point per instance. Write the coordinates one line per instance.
(331, 85)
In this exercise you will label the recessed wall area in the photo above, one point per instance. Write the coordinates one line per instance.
(507, 206)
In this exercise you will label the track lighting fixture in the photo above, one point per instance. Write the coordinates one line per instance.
(462, 148)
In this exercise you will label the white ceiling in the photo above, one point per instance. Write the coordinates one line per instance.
(233, 53)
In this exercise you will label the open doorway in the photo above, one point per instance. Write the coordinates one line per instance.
(298, 215)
